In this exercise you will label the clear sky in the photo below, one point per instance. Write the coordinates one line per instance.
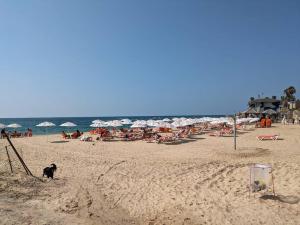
(144, 57)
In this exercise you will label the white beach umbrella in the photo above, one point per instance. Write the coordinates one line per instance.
(164, 125)
(239, 121)
(243, 120)
(186, 123)
(138, 125)
(253, 120)
(200, 120)
(141, 121)
(46, 124)
(126, 121)
(177, 124)
(68, 124)
(214, 122)
(115, 123)
(207, 119)
(190, 121)
(2, 126)
(14, 125)
(152, 123)
(97, 121)
(98, 125)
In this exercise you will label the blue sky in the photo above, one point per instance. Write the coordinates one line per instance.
(134, 57)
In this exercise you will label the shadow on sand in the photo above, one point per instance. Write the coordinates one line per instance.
(59, 142)
(290, 199)
(196, 138)
(182, 141)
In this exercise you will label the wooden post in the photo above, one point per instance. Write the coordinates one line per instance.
(19, 157)
(273, 184)
(250, 178)
(9, 161)
(234, 130)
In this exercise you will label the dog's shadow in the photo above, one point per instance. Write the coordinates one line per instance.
(59, 142)
(46, 180)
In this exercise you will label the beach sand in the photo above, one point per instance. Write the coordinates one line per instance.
(200, 181)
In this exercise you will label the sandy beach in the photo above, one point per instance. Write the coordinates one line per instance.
(200, 181)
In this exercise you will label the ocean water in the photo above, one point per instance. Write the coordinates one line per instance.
(83, 123)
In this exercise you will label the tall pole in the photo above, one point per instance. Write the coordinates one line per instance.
(234, 130)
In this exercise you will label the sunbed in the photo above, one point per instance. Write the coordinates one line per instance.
(167, 139)
(268, 137)
(66, 136)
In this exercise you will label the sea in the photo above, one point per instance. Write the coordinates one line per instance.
(83, 123)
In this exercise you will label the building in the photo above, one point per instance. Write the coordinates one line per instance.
(287, 107)
(263, 104)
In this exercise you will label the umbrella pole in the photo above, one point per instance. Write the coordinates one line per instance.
(47, 134)
(234, 130)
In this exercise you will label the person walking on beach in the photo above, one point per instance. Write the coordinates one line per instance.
(3, 133)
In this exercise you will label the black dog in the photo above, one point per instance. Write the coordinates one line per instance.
(49, 171)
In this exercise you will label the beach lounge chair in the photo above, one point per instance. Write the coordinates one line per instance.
(65, 136)
(185, 133)
(85, 138)
(153, 138)
(216, 134)
(267, 137)
(16, 135)
(133, 137)
(167, 139)
(197, 130)
(76, 134)
(227, 131)
(107, 138)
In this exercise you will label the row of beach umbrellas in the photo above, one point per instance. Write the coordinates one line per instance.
(44, 124)
(171, 123)
(165, 123)
(13, 125)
